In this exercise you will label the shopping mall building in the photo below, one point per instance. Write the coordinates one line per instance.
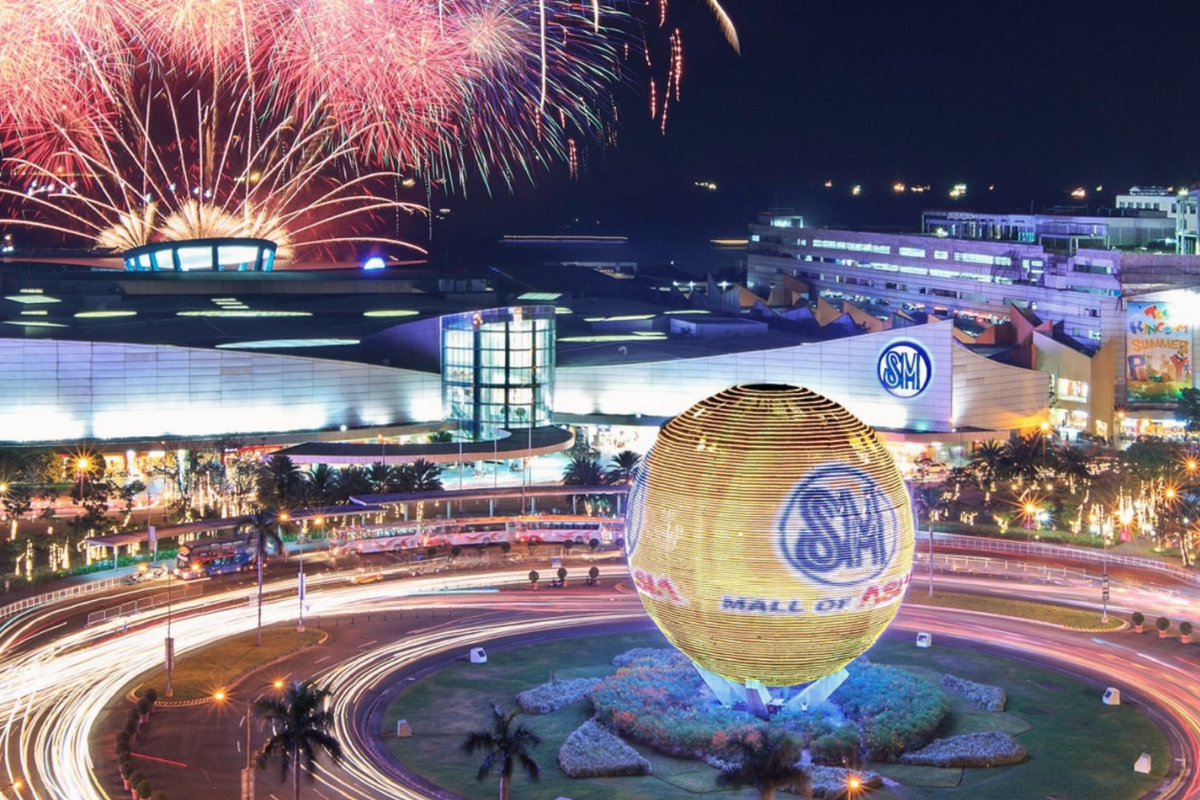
(1103, 305)
(915, 334)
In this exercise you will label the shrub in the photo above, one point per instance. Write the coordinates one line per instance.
(562, 574)
(123, 738)
(1162, 623)
(807, 726)
(988, 749)
(533, 576)
(144, 789)
(159, 795)
(897, 710)
(135, 778)
(643, 653)
(126, 767)
(1137, 618)
(151, 695)
(831, 781)
(660, 700)
(1185, 629)
(131, 727)
(552, 696)
(591, 751)
(144, 706)
(837, 746)
(505, 548)
(989, 698)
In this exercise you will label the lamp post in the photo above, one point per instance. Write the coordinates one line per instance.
(169, 643)
(248, 773)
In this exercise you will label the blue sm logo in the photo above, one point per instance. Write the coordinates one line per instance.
(838, 528)
(905, 369)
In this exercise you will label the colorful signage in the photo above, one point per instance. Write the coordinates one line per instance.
(1158, 353)
(905, 369)
(770, 535)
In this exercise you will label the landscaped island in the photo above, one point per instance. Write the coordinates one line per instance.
(632, 720)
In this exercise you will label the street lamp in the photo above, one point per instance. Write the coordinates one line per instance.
(248, 773)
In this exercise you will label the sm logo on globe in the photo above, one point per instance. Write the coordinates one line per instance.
(905, 369)
(838, 528)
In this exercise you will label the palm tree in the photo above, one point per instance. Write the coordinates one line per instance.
(768, 762)
(988, 462)
(322, 484)
(279, 481)
(583, 471)
(623, 466)
(265, 527)
(506, 746)
(423, 476)
(1025, 456)
(299, 731)
(382, 477)
(353, 481)
(1073, 463)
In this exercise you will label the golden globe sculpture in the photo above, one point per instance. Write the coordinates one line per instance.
(770, 535)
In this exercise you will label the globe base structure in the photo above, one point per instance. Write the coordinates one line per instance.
(761, 700)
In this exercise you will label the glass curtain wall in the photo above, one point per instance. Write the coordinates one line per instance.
(498, 369)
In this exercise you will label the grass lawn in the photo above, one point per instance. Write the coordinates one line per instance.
(1023, 609)
(1079, 748)
(201, 672)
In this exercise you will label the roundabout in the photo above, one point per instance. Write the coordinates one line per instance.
(57, 706)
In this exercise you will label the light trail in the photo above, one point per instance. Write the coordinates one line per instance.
(53, 694)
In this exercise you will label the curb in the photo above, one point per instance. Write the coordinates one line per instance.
(1124, 625)
(132, 696)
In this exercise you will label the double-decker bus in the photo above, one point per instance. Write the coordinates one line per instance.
(211, 557)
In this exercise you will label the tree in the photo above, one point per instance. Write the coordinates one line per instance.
(534, 578)
(1025, 456)
(583, 471)
(1149, 458)
(383, 478)
(623, 467)
(1073, 463)
(265, 528)
(129, 492)
(353, 481)
(280, 482)
(988, 462)
(506, 746)
(441, 437)
(423, 476)
(767, 761)
(322, 484)
(1187, 410)
(562, 575)
(300, 727)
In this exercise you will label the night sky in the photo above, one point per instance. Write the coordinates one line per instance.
(1033, 97)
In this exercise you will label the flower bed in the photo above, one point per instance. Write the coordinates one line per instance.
(832, 781)
(989, 698)
(591, 751)
(988, 749)
(550, 697)
(896, 710)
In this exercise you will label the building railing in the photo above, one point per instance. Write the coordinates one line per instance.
(78, 590)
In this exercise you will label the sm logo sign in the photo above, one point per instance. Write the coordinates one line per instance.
(905, 369)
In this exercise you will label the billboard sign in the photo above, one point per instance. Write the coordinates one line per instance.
(1158, 353)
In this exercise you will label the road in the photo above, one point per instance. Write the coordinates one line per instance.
(62, 684)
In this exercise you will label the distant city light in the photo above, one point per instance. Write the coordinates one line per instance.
(828, 184)
(711, 186)
(1079, 193)
(856, 190)
(958, 191)
(898, 187)
(374, 262)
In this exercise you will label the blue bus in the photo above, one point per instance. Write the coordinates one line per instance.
(204, 559)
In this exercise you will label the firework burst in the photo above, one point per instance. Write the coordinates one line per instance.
(130, 121)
